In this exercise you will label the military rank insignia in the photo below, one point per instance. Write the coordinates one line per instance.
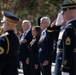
(68, 41)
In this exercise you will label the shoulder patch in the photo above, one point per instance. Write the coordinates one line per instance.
(5, 34)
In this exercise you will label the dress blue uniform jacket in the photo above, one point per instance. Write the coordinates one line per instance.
(52, 37)
(9, 44)
(66, 60)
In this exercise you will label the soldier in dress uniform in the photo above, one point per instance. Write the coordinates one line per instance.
(52, 37)
(9, 44)
(58, 53)
(66, 44)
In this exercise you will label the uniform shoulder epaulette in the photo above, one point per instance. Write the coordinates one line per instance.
(5, 34)
(50, 31)
(68, 25)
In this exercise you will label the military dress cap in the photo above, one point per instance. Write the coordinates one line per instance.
(67, 5)
(10, 18)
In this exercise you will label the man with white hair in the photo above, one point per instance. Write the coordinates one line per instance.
(24, 42)
(66, 45)
(44, 55)
(45, 22)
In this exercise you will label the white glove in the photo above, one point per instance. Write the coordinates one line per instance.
(65, 73)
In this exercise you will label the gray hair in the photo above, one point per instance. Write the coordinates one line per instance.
(46, 19)
(27, 21)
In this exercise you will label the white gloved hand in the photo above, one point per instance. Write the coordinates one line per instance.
(59, 19)
(65, 73)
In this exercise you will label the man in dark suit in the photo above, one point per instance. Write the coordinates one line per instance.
(67, 41)
(9, 44)
(44, 53)
(24, 42)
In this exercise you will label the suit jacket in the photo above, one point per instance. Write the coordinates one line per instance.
(46, 47)
(23, 54)
(33, 50)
